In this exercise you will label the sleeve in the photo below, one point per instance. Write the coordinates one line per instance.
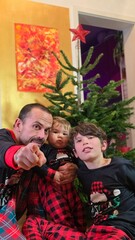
(127, 173)
(8, 148)
(45, 170)
(9, 156)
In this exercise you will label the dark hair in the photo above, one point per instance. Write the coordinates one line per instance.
(87, 129)
(27, 108)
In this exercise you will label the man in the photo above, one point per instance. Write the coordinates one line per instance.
(20, 152)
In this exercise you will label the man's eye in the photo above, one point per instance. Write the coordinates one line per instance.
(47, 131)
(37, 127)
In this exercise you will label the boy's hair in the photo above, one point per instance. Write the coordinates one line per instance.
(62, 121)
(87, 128)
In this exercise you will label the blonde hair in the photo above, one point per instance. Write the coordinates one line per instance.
(63, 121)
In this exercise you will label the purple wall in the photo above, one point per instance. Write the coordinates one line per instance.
(107, 68)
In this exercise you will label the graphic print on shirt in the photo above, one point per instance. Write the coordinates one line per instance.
(103, 203)
(62, 157)
(8, 187)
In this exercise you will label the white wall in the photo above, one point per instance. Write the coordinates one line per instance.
(122, 9)
(117, 14)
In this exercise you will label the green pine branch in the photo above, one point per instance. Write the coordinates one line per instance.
(100, 106)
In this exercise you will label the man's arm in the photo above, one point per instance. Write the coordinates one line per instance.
(6, 142)
(29, 156)
(18, 156)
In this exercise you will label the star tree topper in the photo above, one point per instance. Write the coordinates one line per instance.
(79, 33)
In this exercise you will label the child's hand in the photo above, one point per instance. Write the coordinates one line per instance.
(68, 172)
(58, 177)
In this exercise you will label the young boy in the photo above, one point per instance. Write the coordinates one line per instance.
(109, 184)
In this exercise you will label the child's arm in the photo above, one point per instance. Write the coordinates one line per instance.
(67, 173)
(64, 174)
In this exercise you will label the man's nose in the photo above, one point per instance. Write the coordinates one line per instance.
(42, 134)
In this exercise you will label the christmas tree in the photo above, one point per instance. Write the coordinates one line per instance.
(100, 105)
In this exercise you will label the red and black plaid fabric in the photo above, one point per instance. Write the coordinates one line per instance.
(36, 228)
(31, 198)
(41, 229)
(22, 191)
(97, 232)
(62, 204)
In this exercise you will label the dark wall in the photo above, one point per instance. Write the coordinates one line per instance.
(107, 68)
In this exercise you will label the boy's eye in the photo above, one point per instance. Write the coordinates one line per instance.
(90, 137)
(78, 140)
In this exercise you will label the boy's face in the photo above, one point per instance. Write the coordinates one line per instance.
(59, 135)
(88, 148)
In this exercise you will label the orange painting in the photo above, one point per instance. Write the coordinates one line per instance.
(35, 62)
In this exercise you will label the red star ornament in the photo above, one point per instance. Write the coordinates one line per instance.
(79, 33)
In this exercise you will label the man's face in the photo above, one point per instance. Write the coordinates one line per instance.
(34, 128)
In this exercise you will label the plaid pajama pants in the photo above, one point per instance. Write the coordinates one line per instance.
(36, 228)
(9, 229)
(96, 232)
(62, 204)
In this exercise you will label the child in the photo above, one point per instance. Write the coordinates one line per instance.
(60, 203)
(58, 139)
(109, 184)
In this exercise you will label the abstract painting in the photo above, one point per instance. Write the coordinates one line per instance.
(35, 62)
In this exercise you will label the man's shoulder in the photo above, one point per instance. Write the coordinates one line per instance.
(4, 132)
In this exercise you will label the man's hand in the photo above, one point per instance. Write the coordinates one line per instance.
(29, 156)
(66, 173)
